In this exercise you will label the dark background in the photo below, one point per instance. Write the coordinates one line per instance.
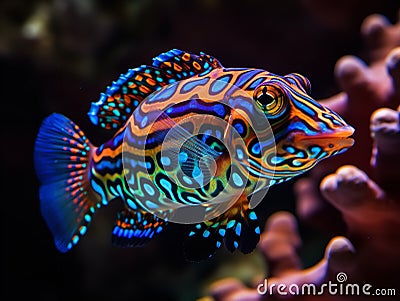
(57, 56)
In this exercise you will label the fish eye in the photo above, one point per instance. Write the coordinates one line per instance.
(270, 99)
(264, 98)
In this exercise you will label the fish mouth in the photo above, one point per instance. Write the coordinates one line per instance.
(336, 139)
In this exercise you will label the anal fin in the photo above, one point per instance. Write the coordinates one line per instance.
(135, 228)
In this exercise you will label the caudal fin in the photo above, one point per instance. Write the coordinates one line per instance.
(61, 157)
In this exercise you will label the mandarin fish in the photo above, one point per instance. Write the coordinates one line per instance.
(186, 133)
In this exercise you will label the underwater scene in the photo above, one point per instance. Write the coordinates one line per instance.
(201, 150)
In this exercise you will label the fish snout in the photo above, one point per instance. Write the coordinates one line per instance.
(330, 142)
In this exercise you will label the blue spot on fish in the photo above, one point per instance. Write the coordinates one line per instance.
(237, 179)
(239, 128)
(165, 161)
(187, 180)
(220, 84)
(254, 84)
(196, 172)
(239, 153)
(290, 149)
(193, 200)
(252, 215)
(230, 224)
(182, 157)
(75, 239)
(219, 109)
(296, 163)
(131, 204)
(189, 86)
(115, 231)
(256, 149)
(151, 205)
(144, 121)
(149, 189)
(166, 184)
(206, 233)
(164, 94)
(238, 229)
(277, 160)
(83, 229)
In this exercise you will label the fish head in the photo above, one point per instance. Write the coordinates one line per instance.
(305, 131)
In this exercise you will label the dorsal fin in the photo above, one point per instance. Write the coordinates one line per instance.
(117, 103)
(181, 64)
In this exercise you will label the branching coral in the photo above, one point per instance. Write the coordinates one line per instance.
(366, 88)
(367, 198)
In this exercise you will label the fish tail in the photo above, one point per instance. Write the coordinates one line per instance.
(62, 157)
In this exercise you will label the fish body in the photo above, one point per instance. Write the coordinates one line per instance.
(204, 117)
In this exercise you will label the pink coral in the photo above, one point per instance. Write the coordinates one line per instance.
(371, 215)
(367, 198)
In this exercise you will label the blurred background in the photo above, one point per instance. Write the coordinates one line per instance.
(58, 56)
